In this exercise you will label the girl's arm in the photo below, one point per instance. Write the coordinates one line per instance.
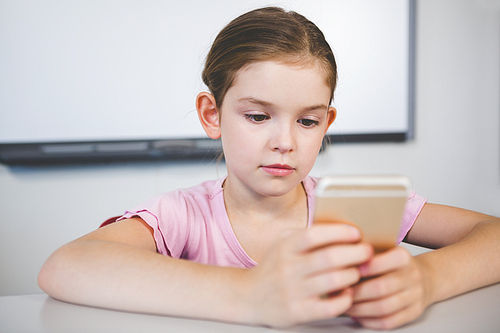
(117, 267)
(402, 286)
(469, 257)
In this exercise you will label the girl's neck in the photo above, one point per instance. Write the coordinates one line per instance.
(241, 201)
(259, 220)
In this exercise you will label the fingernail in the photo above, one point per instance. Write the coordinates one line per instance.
(355, 232)
(363, 269)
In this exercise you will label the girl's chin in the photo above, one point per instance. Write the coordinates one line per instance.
(276, 190)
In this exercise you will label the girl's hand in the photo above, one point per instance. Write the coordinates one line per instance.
(395, 293)
(291, 284)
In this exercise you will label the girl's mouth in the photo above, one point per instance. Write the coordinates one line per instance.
(279, 170)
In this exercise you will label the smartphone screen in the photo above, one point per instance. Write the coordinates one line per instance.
(373, 204)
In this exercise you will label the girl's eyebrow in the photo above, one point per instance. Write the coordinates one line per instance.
(256, 101)
(317, 107)
(252, 100)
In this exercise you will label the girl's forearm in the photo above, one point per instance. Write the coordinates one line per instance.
(466, 265)
(122, 277)
(285, 289)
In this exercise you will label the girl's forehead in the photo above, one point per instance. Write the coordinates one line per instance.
(281, 82)
(291, 63)
(284, 70)
(281, 71)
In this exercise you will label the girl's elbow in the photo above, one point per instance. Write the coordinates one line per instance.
(44, 278)
(52, 278)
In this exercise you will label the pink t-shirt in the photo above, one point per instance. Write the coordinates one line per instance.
(193, 224)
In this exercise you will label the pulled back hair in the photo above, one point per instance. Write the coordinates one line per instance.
(264, 34)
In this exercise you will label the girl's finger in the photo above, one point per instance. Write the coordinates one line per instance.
(386, 262)
(323, 235)
(335, 257)
(330, 282)
(394, 320)
(382, 286)
(385, 306)
(327, 308)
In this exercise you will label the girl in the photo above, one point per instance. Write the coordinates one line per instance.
(243, 249)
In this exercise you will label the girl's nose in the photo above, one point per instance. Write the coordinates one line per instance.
(283, 139)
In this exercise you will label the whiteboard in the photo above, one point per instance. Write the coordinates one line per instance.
(114, 70)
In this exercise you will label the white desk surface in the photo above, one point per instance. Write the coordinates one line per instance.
(477, 311)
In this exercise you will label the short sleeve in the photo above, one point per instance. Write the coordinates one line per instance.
(152, 220)
(413, 206)
(165, 214)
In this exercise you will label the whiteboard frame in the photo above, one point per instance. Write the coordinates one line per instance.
(77, 152)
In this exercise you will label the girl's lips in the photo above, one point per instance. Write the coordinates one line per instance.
(278, 169)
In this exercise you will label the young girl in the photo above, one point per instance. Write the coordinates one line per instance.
(243, 249)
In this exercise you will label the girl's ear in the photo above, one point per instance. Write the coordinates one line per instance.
(208, 114)
(331, 115)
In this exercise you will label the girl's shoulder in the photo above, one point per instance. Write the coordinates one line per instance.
(179, 198)
(209, 189)
(180, 215)
(179, 202)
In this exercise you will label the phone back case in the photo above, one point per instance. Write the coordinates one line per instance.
(373, 204)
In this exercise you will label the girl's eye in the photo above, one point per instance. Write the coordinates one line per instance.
(308, 122)
(257, 117)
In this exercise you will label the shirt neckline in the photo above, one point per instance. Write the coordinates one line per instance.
(225, 225)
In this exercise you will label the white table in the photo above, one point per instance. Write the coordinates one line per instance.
(477, 311)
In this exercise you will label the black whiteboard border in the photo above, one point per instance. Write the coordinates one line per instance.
(98, 152)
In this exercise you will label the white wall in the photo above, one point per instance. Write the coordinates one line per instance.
(454, 158)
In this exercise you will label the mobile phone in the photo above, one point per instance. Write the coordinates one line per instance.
(373, 204)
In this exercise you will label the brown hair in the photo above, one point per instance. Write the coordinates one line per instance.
(268, 33)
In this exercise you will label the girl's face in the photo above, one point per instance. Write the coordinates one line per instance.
(272, 123)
